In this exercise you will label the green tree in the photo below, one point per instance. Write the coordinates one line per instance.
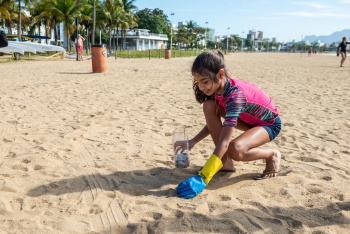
(192, 31)
(64, 11)
(181, 37)
(86, 20)
(154, 20)
(40, 17)
(4, 6)
(237, 39)
(129, 17)
(248, 43)
(213, 45)
(10, 14)
(19, 22)
(112, 9)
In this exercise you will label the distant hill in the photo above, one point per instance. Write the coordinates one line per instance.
(334, 37)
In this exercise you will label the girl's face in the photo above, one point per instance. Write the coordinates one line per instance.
(207, 85)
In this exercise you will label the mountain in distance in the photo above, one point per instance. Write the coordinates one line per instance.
(334, 37)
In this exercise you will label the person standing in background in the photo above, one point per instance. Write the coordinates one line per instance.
(79, 43)
(309, 51)
(342, 51)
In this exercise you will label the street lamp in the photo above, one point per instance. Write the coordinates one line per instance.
(227, 38)
(171, 30)
(242, 39)
(76, 34)
(205, 35)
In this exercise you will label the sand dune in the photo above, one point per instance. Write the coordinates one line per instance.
(91, 153)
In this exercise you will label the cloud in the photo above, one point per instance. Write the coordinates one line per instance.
(313, 4)
(315, 14)
(345, 1)
(265, 18)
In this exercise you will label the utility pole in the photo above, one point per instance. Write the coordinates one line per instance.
(76, 36)
(242, 39)
(205, 35)
(94, 23)
(227, 39)
(171, 30)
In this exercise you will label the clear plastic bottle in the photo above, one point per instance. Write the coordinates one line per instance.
(180, 146)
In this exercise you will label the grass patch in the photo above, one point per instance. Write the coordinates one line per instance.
(153, 53)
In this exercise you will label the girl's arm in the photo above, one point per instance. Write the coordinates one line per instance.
(224, 141)
(200, 136)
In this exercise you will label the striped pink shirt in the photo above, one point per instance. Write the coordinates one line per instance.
(247, 102)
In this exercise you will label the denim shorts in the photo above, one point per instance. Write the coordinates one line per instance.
(274, 129)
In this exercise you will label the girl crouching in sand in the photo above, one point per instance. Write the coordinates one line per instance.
(243, 106)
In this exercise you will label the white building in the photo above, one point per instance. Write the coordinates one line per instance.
(142, 39)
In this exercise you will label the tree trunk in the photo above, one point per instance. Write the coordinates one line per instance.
(46, 36)
(68, 45)
(87, 40)
(56, 34)
(114, 39)
(19, 26)
(117, 38)
(110, 39)
(94, 23)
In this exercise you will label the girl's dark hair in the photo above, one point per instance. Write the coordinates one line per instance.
(207, 64)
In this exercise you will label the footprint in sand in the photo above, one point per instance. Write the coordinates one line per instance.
(26, 161)
(225, 198)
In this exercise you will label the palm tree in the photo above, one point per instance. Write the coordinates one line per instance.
(86, 20)
(113, 8)
(191, 27)
(129, 6)
(48, 16)
(38, 18)
(128, 19)
(97, 19)
(120, 21)
(19, 30)
(93, 21)
(64, 11)
(4, 6)
(11, 17)
(182, 36)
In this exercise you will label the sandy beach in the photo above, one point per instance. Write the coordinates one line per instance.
(84, 152)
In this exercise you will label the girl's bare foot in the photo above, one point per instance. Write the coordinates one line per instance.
(228, 164)
(272, 166)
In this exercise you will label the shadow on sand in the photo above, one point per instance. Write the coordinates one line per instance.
(267, 219)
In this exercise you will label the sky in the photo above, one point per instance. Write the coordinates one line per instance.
(286, 20)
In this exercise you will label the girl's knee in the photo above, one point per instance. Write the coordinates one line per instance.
(236, 151)
(209, 107)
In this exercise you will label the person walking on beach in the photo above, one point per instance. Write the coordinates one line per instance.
(80, 46)
(309, 51)
(243, 106)
(342, 51)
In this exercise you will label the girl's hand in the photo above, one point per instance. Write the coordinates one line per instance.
(191, 143)
(180, 146)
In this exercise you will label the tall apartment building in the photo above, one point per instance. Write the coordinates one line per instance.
(256, 35)
(261, 35)
(252, 34)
